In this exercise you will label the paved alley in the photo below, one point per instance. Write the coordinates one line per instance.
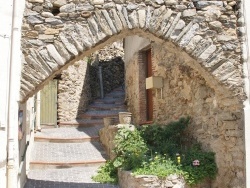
(67, 157)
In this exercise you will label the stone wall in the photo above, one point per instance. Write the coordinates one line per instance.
(110, 51)
(217, 119)
(55, 34)
(112, 76)
(79, 85)
(126, 179)
(107, 135)
(73, 91)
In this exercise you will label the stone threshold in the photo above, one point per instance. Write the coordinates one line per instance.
(42, 164)
(66, 140)
(81, 124)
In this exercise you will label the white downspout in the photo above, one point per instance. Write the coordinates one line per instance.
(38, 99)
(12, 122)
(246, 52)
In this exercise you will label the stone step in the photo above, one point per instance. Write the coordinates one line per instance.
(66, 140)
(116, 93)
(82, 123)
(63, 164)
(114, 96)
(49, 154)
(65, 177)
(65, 134)
(101, 107)
(99, 114)
(74, 132)
(109, 101)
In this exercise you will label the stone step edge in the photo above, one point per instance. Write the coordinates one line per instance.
(109, 102)
(99, 115)
(108, 108)
(66, 140)
(34, 164)
(81, 124)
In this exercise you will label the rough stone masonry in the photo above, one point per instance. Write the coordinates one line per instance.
(57, 33)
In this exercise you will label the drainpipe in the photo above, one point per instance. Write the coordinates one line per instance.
(38, 126)
(101, 82)
(12, 145)
(246, 52)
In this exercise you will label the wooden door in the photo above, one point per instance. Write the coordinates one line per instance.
(149, 91)
(49, 104)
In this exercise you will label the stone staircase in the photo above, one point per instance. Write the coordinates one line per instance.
(68, 156)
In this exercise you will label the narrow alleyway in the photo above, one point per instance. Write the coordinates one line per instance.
(68, 156)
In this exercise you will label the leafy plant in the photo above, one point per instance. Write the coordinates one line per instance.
(160, 166)
(107, 173)
(152, 149)
(130, 149)
(167, 138)
(206, 169)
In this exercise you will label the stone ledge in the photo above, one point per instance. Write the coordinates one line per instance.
(126, 179)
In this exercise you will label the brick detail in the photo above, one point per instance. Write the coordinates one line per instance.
(142, 87)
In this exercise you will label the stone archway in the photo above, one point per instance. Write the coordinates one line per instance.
(57, 33)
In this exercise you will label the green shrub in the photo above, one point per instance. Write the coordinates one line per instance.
(107, 173)
(166, 138)
(130, 149)
(152, 149)
(160, 166)
(206, 169)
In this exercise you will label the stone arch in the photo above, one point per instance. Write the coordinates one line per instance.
(51, 43)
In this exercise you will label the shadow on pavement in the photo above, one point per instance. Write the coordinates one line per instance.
(54, 184)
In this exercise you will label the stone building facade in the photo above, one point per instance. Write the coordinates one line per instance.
(196, 45)
(217, 118)
(50, 43)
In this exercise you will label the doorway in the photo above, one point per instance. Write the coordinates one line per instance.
(149, 98)
(49, 104)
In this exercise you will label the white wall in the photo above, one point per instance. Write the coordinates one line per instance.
(9, 103)
(132, 45)
(5, 41)
(26, 144)
(246, 52)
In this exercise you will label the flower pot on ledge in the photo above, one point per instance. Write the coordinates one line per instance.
(125, 117)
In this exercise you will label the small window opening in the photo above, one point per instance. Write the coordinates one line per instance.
(235, 8)
(55, 11)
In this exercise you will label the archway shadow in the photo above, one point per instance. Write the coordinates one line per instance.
(31, 183)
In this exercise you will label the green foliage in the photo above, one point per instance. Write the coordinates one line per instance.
(152, 149)
(130, 149)
(89, 59)
(165, 139)
(206, 169)
(160, 166)
(107, 174)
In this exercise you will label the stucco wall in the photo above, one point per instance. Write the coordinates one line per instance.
(246, 52)
(10, 86)
(217, 120)
(131, 47)
(135, 77)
